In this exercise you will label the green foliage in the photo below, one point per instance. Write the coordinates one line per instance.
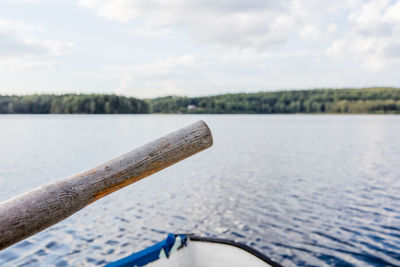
(367, 100)
(72, 104)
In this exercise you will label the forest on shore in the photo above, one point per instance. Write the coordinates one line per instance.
(367, 100)
(72, 104)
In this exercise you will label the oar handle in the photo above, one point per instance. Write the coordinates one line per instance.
(36, 210)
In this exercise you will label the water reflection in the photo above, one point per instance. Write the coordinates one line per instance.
(306, 190)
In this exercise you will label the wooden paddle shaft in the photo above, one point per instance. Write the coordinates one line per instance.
(34, 211)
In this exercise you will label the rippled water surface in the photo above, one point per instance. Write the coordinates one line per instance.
(305, 190)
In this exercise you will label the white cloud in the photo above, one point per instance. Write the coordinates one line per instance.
(199, 47)
(252, 25)
(147, 89)
(18, 41)
(167, 76)
(18, 65)
(331, 30)
(22, 1)
(310, 31)
(205, 75)
(374, 36)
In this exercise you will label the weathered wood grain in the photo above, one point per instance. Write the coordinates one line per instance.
(31, 212)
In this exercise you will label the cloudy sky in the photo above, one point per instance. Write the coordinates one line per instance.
(148, 48)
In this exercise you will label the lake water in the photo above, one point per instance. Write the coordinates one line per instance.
(306, 190)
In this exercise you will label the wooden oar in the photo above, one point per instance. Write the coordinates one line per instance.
(36, 210)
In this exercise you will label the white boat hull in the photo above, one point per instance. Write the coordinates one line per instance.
(207, 254)
(184, 250)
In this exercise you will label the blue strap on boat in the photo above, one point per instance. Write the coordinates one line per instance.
(149, 254)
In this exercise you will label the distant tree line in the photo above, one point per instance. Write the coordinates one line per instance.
(72, 104)
(367, 100)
